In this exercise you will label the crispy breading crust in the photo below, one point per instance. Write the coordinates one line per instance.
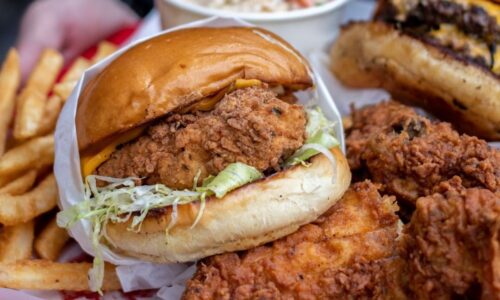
(249, 125)
(355, 238)
(410, 155)
(453, 243)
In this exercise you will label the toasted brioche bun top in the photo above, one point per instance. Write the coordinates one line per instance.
(179, 68)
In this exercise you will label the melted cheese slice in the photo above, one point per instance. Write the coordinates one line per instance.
(245, 83)
(90, 162)
(405, 6)
(209, 103)
(496, 58)
(450, 36)
(493, 9)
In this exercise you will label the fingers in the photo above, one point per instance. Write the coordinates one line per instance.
(39, 30)
(94, 21)
(70, 27)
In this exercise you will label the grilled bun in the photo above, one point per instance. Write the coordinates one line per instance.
(249, 216)
(177, 69)
(375, 54)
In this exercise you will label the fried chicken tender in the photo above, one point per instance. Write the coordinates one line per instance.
(349, 252)
(452, 244)
(410, 155)
(368, 121)
(249, 125)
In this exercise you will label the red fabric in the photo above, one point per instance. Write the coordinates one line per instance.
(117, 38)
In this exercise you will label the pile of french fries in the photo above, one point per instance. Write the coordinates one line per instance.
(29, 245)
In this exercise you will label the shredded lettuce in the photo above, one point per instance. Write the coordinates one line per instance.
(122, 199)
(320, 138)
(233, 176)
(317, 121)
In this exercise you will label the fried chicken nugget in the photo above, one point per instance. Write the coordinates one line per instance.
(368, 121)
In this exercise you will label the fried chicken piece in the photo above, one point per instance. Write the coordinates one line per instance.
(452, 243)
(347, 252)
(249, 125)
(410, 155)
(368, 121)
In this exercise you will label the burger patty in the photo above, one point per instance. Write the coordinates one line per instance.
(430, 14)
(425, 17)
(249, 125)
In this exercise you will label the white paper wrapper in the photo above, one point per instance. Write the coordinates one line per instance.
(134, 274)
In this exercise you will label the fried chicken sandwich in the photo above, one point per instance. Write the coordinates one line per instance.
(193, 144)
(440, 55)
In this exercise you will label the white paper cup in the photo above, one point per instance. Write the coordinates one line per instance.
(306, 29)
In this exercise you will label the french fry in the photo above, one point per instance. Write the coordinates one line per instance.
(51, 240)
(34, 154)
(52, 109)
(20, 185)
(20, 209)
(76, 70)
(49, 275)
(12, 143)
(16, 242)
(31, 102)
(10, 77)
(8, 178)
(104, 49)
(64, 89)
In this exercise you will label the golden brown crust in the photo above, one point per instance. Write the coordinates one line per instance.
(374, 54)
(176, 69)
(252, 215)
(347, 253)
(452, 244)
(410, 155)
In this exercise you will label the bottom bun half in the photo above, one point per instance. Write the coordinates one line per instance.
(375, 54)
(249, 216)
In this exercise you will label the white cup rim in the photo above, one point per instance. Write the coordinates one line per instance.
(268, 17)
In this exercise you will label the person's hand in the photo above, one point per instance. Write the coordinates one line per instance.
(69, 26)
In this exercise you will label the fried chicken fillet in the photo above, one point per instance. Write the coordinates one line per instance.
(349, 252)
(452, 244)
(249, 125)
(391, 144)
